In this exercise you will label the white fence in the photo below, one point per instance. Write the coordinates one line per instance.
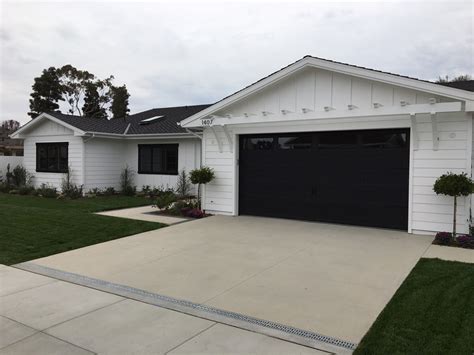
(5, 160)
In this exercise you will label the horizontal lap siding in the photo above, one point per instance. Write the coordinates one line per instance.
(189, 158)
(431, 212)
(104, 163)
(218, 195)
(49, 132)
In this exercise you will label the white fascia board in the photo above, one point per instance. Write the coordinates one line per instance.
(336, 114)
(368, 74)
(41, 117)
(139, 136)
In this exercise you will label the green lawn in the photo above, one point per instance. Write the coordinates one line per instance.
(431, 313)
(32, 227)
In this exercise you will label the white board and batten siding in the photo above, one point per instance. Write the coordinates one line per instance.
(103, 162)
(51, 132)
(314, 89)
(189, 158)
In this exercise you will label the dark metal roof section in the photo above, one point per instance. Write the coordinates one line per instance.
(168, 124)
(467, 85)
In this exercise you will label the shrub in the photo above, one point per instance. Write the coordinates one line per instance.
(165, 200)
(26, 190)
(13, 192)
(19, 176)
(454, 185)
(200, 177)
(5, 187)
(47, 191)
(465, 241)
(183, 186)
(109, 191)
(126, 182)
(68, 188)
(443, 238)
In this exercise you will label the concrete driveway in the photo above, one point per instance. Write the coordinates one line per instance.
(328, 279)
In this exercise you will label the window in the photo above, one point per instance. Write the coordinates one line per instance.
(303, 141)
(384, 139)
(52, 157)
(158, 159)
(257, 143)
(337, 140)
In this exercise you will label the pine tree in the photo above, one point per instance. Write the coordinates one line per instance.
(92, 102)
(47, 91)
(119, 107)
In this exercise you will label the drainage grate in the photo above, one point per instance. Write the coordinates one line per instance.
(184, 306)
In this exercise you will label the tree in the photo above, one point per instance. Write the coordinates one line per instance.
(47, 92)
(119, 107)
(10, 125)
(200, 177)
(92, 103)
(446, 79)
(454, 185)
(80, 89)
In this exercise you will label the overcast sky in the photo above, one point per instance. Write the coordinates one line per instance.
(179, 53)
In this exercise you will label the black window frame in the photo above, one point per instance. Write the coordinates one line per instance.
(164, 168)
(58, 168)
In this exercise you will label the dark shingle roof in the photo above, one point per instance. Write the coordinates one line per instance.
(164, 125)
(467, 85)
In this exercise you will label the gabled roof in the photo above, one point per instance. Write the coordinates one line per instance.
(129, 126)
(343, 68)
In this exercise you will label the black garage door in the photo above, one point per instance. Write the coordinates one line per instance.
(350, 177)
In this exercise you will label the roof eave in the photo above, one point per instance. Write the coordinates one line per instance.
(341, 68)
(18, 133)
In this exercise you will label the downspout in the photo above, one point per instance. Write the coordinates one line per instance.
(84, 158)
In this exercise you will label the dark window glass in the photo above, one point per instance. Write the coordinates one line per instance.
(295, 142)
(334, 140)
(158, 159)
(52, 157)
(381, 139)
(257, 143)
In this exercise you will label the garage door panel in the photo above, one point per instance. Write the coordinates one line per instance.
(353, 177)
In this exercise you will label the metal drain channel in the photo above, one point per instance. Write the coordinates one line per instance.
(285, 332)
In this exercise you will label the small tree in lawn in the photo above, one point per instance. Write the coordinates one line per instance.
(454, 185)
(200, 177)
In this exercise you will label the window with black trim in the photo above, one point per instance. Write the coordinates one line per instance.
(158, 159)
(52, 157)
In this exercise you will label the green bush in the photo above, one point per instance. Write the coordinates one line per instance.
(47, 191)
(68, 188)
(5, 187)
(165, 200)
(109, 191)
(183, 186)
(200, 177)
(126, 182)
(26, 190)
(454, 185)
(19, 176)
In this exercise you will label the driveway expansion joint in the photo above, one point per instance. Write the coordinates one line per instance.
(284, 332)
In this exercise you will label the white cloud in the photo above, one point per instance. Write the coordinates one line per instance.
(189, 53)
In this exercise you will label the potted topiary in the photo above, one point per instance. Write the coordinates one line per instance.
(454, 185)
(200, 177)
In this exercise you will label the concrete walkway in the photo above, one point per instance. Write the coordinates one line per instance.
(41, 315)
(450, 253)
(144, 213)
(328, 279)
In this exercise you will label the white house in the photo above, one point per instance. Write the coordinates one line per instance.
(150, 143)
(317, 140)
(327, 141)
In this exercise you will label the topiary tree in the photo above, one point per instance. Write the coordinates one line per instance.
(200, 177)
(454, 185)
